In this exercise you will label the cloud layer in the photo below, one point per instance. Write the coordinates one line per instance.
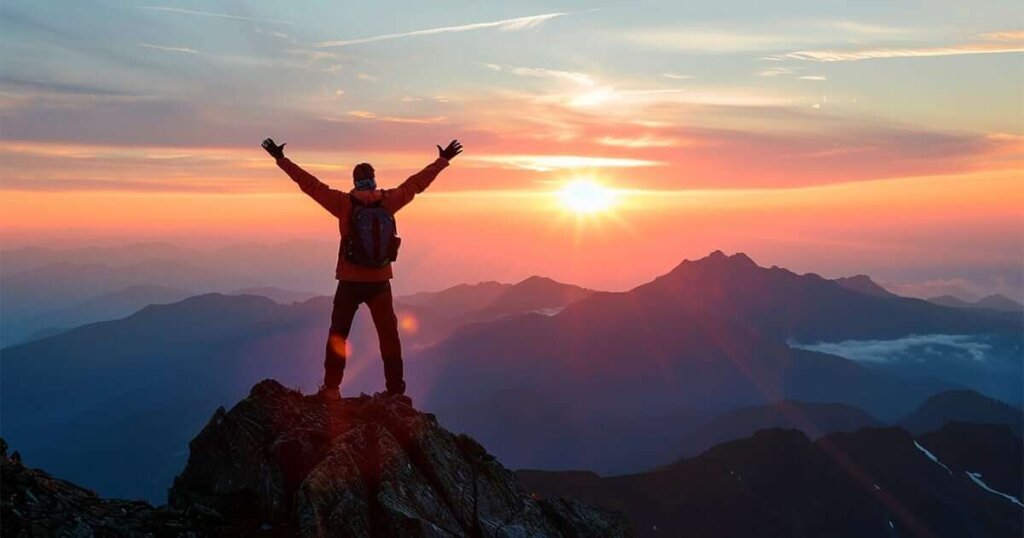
(910, 348)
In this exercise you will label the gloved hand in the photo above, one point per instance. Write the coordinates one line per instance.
(273, 149)
(454, 148)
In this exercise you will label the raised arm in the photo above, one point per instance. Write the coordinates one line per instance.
(398, 197)
(330, 199)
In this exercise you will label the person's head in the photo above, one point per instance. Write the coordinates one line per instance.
(362, 176)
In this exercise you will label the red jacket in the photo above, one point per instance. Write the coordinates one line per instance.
(339, 204)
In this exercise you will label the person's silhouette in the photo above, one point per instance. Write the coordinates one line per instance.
(364, 268)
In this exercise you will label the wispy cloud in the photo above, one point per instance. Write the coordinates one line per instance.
(571, 76)
(676, 76)
(645, 141)
(363, 114)
(549, 163)
(813, 77)
(169, 49)
(994, 43)
(519, 23)
(783, 36)
(210, 14)
(774, 72)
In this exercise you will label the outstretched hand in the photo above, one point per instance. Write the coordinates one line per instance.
(454, 148)
(273, 149)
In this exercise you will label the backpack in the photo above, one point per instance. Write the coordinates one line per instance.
(372, 239)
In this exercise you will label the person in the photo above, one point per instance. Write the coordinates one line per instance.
(359, 283)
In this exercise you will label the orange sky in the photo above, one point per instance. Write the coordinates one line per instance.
(875, 139)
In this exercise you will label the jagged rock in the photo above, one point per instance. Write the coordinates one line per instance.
(35, 504)
(360, 467)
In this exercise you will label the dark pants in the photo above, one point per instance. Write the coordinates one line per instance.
(377, 296)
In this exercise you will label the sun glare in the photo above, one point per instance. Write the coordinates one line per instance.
(584, 196)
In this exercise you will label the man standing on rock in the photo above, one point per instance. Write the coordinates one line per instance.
(369, 244)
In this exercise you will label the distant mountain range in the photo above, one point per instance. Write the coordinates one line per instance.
(998, 302)
(550, 375)
(168, 365)
(711, 335)
(46, 288)
(492, 300)
(816, 419)
(963, 480)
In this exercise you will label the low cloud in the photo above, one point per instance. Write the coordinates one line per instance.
(913, 347)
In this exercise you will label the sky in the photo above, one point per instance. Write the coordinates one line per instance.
(832, 137)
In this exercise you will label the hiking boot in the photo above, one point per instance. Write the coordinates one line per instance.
(396, 396)
(329, 394)
(399, 396)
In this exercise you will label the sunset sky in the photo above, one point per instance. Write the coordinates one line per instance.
(834, 137)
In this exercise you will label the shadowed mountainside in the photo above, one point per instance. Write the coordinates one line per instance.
(812, 418)
(778, 483)
(962, 406)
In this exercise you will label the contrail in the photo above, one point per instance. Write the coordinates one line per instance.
(520, 23)
(210, 14)
(169, 49)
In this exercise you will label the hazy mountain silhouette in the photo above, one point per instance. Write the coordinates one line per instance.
(814, 419)
(460, 299)
(111, 305)
(962, 406)
(873, 482)
(278, 295)
(491, 300)
(1000, 302)
(609, 367)
(997, 301)
(35, 281)
(863, 284)
(709, 336)
(39, 290)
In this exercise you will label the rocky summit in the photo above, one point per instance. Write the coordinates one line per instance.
(291, 464)
(283, 464)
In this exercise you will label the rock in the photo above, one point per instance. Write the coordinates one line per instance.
(360, 467)
(32, 503)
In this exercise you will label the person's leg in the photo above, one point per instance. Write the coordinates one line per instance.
(346, 302)
(383, 311)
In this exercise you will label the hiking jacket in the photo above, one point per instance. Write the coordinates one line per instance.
(339, 204)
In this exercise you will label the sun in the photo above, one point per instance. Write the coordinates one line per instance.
(585, 196)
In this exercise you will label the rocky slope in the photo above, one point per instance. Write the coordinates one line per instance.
(283, 464)
(34, 503)
(367, 466)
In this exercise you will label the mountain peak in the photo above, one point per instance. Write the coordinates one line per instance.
(366, 466)
(863, 284)
(718, 261)
(998, 301)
